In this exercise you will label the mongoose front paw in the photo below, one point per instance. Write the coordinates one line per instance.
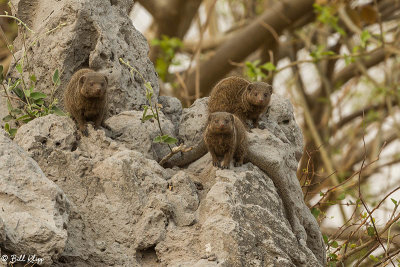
(85, 132)
(237, 164)
(216, 164)
(224, 167)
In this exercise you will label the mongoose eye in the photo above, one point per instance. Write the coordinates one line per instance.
(91, 83)
(226, 121)
(102, 84)
(255, 94)
(265, 94)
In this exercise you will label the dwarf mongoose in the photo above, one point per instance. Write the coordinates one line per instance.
(225, 137)
(86, 98)
(238, 96)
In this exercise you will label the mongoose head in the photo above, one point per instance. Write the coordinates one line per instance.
(258, 93)
(93, 85)
(221, 122)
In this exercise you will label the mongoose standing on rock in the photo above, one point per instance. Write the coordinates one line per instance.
(244, 99)
(85, 98)
(225, 137)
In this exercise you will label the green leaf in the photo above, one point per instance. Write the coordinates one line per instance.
(373, 258)
(371, 231)
(325, 237)
(39, 102)
(24, 117)
(334, 244)
(33, 78)
(268, 66)
(56, 110)
(157, 139)
(394, 201)
(8, 118)
(27, 93)
(7, 127)
(18, 91)
(147, 117)
(12, 132)
(9, 107)
(19, 68)
(333, 256)
(170, 140)
(365, 36)
(341, 196)
(145, 108)
(37, 95)
(56, 77)
(16, 111)
(315, 212)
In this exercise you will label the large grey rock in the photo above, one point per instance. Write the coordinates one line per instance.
(119, 197)
(34, 211)
(241, 222)
(96, 33)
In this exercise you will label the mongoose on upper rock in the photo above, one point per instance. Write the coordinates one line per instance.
(240, 97)
(225, 137)
(85, 98)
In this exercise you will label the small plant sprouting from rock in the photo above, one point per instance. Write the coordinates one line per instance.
(153, 108)
(32, 103)
(29, 103)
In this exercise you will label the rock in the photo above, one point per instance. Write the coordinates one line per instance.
(3, 108)
(34, 213)
(119, 197)
(172, 108)
(2, 231)
(284, 142)
(241, 222)
(193, 122)
(95, 34)
(138, 135)
(184, 199)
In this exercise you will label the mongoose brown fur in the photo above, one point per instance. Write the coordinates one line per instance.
(85, 98)
(225, 137)
(240, 97)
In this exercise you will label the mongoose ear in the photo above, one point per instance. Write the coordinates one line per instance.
(82, 80)
(210, 117)
(105, 77)
(271, 89)
(250, 87)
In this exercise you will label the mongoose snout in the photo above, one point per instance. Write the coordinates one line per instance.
(93, 85)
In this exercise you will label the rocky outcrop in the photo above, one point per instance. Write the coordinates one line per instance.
(34, 211)
(129, 210)
(123, 208)
(88, 33)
